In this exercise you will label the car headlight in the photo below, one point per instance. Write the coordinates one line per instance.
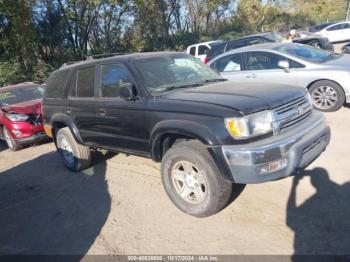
(17, 117)
(250, 126)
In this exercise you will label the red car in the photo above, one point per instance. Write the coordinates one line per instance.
(21, 115)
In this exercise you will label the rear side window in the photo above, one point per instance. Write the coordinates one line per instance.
(85, 82)
(112, 77)
(193, 51)
(235, 45)
(202, 50)
(56, 84)
(336, 27)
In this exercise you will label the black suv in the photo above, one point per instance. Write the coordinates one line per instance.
(209, 134)
(268, 37)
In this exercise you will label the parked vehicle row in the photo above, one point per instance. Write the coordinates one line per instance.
(323, 73)
(210, 134)
(218, 47)
(21, 115)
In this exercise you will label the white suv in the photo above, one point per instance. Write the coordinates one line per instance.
(338, 32)
(200, 50)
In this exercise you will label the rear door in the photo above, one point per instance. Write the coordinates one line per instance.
(335, 33)
(120, 122)
(80, 103)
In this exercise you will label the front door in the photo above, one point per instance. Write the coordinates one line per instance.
(263, 67)
(120, 122)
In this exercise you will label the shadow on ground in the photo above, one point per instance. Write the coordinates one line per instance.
(46, 209)
(322, 223)
(3, 145)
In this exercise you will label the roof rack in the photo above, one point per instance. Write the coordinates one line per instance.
(92, 57)
(105, 55)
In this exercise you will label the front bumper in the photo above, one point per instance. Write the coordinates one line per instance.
(35, 138)
(294, 149)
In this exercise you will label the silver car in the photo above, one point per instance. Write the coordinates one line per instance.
(326, 75)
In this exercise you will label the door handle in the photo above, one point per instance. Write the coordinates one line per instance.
(102, 112)
(251, 76)
(68, 110)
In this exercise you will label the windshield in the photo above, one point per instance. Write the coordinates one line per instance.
(161, 74)
(19, 95)
(307, 53)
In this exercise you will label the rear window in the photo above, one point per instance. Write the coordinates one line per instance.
(85, 82)
(56, 84)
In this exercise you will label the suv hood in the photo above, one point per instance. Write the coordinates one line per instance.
(246, 98)
(29, 107)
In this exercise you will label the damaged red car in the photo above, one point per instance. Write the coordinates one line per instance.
(21, 115)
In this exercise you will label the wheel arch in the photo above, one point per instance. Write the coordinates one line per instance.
(167, 133)
(60, 121)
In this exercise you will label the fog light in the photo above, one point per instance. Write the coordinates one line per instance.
(17, 132)
(272, 167)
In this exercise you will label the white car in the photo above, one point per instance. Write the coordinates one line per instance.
(338, 32)
(200, 50)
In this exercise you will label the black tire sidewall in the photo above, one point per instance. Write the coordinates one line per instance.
(338, 89)
(215, 183)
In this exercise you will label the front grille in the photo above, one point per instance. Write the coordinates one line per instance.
(35, 120)
(292, 113)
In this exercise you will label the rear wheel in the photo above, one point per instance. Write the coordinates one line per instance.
(11, 143)
(327, 96)
(192, 180)
(74, 155)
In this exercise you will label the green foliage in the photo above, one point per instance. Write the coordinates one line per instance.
(37, 36)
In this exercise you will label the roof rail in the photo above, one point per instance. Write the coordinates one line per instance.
(69, 63)
(104, 55)
(92, 57)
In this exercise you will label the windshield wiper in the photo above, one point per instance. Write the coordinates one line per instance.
(215, 80)
(174, 87)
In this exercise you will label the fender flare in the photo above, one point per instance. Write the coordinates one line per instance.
(68, 121)
(179, 127)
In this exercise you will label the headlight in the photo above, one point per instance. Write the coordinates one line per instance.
(17, 117)
(250, 126)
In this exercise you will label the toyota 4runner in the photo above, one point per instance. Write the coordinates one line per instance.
(208, 133)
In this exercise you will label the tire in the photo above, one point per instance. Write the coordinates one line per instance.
(11, 143)
(212, 189)
(75, 156)
(327, 96)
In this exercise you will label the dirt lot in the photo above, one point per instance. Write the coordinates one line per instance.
(119, 207)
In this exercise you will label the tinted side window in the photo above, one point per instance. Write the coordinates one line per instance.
(202, 50)
(56, 84)
(255, 41)
(293, 64)
(230, 63)
(262, 60)
(235, 45)
(85, 82)
(193, 50)
(112, 77)
(334, 28)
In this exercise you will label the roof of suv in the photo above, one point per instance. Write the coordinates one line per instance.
(120, 57)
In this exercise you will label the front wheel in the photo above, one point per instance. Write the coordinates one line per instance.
(74, 155)
(192, 180)
(11, 143)
(327, 96)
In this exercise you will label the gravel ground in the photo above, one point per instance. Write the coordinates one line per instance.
(119, 207)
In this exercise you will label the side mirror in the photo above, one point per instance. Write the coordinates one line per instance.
(127, 92)
(284, 64)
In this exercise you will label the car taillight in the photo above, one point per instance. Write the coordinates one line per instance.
(206, 60)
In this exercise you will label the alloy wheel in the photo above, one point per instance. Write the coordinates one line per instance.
(324, 97)
(189, 182)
